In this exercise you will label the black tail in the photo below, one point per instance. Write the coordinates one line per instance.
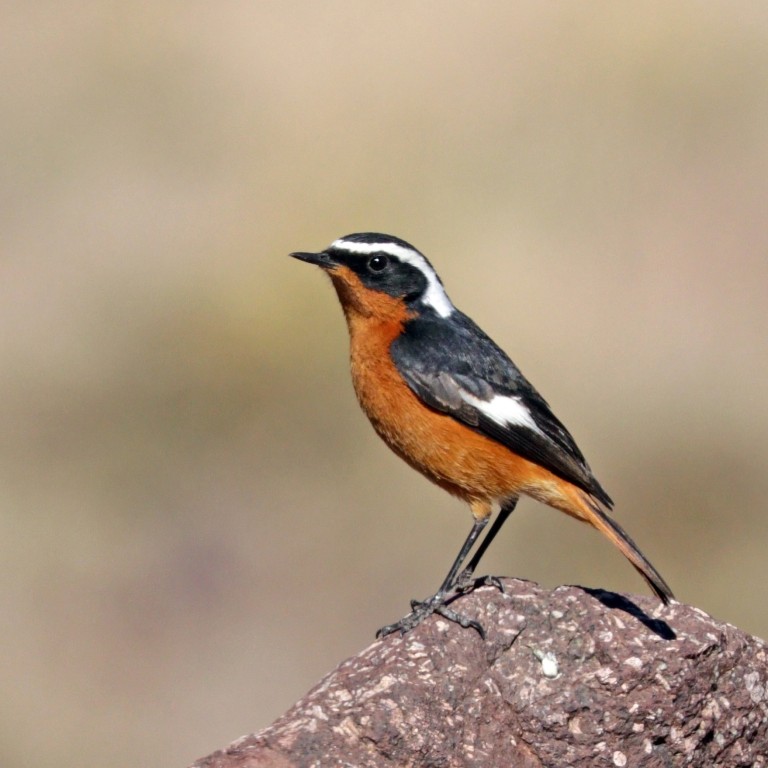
(622, 540)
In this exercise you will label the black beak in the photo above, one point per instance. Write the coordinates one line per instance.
(321, 259)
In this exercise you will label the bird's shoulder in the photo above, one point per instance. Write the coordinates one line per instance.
(432, 348)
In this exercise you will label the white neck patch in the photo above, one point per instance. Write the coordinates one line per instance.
(435, 295)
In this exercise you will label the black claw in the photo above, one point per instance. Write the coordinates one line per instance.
(462, 621)
(465, 582)
(389, 629)
(406, 624)
(422, 609)
(492, 581)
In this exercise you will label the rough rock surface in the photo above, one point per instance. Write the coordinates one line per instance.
(568, 677)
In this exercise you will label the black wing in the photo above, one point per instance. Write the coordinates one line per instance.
(449, 362)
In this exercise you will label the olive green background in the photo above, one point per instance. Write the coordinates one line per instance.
(196, 521)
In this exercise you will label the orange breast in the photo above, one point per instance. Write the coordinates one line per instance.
(460, 460)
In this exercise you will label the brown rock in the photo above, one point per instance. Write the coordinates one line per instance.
(570, 677)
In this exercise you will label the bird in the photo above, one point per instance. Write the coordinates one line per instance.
(452, 404)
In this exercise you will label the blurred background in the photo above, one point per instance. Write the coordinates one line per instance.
(196, 521)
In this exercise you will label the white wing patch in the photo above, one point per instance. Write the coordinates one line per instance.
(435, 296)
(506, 411)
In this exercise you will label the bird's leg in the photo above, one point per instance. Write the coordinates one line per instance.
(464, 580)
(436, 603)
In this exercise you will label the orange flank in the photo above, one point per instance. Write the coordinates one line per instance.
(465, 463)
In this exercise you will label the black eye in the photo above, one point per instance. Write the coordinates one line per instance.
(378, 263)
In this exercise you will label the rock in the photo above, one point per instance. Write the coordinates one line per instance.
(568, 677)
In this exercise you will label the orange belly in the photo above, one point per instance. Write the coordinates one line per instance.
(463, 462)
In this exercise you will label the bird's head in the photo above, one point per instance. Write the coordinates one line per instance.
(382, 277)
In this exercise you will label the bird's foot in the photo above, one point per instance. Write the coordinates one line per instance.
(438, 604)
(465, 582)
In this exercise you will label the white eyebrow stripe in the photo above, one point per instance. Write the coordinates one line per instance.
(506, 411)
(435, 296)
